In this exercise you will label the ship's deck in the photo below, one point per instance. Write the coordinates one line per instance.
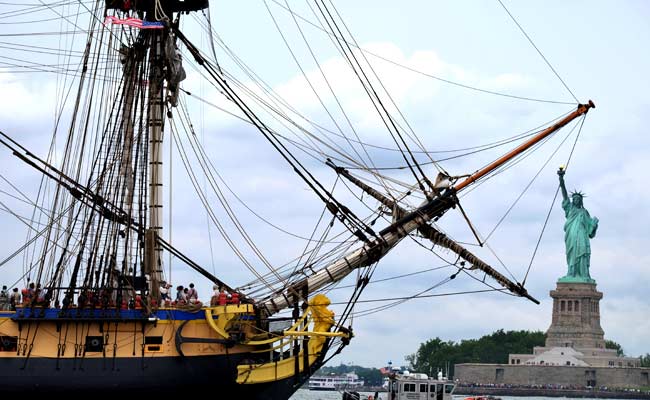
(111, 314)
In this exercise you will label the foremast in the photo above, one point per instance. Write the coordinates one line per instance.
(155, 124)
(164, 67)
(375, 249)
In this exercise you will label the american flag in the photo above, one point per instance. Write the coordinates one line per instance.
(134, 22)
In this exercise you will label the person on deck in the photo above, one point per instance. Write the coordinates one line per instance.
(223, 296)
(36, 294)
(41, 296)
(28, 294)
(164, 292)
(4, 299)
(214, 300)
(192, 294)
(14, 300)
(180, 295)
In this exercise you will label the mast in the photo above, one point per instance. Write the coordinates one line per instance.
(126, 168)
(164, 65)
(155, 123)
(373, 251)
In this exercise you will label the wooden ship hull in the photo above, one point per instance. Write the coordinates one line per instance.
(131, 351)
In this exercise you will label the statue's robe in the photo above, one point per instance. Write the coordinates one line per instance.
(578, 229)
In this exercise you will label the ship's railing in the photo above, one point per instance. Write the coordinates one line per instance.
(37, 313)
(220, 317)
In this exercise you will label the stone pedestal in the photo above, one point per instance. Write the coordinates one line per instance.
(576, 317)
(574, 354)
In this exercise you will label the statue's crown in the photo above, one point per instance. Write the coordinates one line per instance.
(578, 193)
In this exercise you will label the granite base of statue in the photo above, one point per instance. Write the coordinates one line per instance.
(576, 309)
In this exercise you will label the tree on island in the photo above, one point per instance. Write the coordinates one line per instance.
(645, 360)
(436, 354)
(610, 344)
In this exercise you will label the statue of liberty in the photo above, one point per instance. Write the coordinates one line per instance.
(578, 229)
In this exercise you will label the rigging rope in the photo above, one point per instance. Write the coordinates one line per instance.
(413, 136)
(310, 84)
(530, 183)
(450, 82)
(538, 51)
(345, 215)
(203, 200)
(205, 165)
(385, 116)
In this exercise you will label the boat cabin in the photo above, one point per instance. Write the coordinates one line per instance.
(418, 386)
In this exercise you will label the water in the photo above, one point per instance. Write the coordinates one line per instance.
(305, 394)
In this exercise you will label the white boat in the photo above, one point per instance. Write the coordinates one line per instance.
(419, 386)
(335, 382)
(411, 386)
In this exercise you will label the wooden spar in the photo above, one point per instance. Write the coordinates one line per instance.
(376, 249)
(581, 110)
(439, 238)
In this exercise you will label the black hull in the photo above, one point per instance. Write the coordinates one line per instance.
(168, 375)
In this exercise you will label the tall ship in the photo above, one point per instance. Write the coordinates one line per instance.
(94, 310)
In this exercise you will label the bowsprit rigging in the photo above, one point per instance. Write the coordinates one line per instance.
(97, 312)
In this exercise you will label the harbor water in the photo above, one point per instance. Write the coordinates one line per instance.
(306, 394)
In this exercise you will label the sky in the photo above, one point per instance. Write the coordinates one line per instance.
(597, 48)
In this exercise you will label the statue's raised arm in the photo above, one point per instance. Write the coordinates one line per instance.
(560, 173)
(578, 229)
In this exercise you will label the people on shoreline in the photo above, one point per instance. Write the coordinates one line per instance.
(548, 386)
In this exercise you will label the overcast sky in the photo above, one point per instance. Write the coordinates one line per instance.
(598, 48)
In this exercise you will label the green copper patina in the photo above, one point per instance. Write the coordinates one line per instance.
(578, 229)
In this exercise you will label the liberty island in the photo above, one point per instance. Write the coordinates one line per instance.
(575, 354)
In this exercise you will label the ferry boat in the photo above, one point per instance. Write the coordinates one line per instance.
(335, 382)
